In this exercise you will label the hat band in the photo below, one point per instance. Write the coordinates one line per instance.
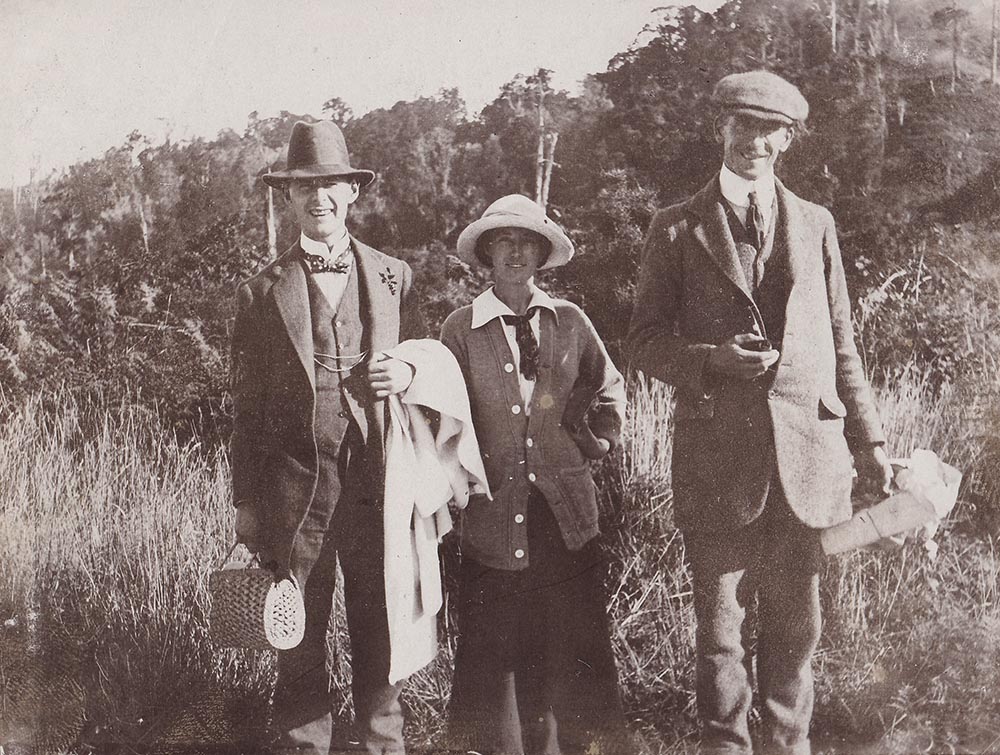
(509, 214)
(753, 109)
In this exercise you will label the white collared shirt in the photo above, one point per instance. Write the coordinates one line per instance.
(332, 285)
(487, 306)
(736, 191)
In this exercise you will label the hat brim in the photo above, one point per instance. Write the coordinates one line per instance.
(280, 178)
(762, 114)
(562, 247)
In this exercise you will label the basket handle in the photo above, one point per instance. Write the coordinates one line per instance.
(254, 557)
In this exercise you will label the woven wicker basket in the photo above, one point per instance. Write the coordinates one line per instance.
(253, 609)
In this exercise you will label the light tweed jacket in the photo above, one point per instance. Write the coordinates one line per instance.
(730, 435)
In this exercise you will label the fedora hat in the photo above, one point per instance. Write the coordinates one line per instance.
(317, 150)
(516, 211)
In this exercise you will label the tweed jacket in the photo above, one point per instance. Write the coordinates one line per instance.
(275, 462)
(799, 419)
(577, 383)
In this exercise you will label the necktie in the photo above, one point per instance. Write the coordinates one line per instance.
(526, 342)
(755, 227)
(317, 263)
(755, 222)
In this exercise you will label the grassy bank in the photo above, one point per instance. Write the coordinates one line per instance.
(110, 527)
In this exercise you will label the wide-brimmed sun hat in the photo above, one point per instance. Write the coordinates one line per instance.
(317, 150)
(516, 211)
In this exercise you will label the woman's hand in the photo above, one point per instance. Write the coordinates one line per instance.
(589, 444)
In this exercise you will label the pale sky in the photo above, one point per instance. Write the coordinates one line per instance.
(77, 76)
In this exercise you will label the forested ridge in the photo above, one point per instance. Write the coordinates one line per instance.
(118, 271)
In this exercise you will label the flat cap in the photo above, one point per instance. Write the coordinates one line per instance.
(762, 94)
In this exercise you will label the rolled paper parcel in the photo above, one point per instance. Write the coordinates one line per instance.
(898, 513)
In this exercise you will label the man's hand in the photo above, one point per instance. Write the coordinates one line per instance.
(247, 528)
(875, 469)
(733, 360)
(388, 376)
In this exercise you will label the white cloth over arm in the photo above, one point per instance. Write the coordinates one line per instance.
(425, 469)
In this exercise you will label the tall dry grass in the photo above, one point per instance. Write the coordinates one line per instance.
(110, 527)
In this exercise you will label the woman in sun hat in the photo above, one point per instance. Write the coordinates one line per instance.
(534, 669)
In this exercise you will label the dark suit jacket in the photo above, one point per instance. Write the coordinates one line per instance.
(729, 434)
(275, 464)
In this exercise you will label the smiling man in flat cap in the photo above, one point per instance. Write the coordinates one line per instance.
(743, 308)
(309, 388)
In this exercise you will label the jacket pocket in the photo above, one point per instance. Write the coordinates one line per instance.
(579, 493)
(831, 407)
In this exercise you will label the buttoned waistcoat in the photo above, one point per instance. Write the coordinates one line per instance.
(275, 456)
(731, 436)
(577, 382)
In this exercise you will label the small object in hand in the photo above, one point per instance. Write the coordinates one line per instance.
(762, 344)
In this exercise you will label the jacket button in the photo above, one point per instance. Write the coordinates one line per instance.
(519, 553)
(531, 477)
(529, 442)
(518, 518)
(508, 367)
(772, 394)
(516, 409)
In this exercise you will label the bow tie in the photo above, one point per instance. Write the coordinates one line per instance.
(526, 342)
(317, 263)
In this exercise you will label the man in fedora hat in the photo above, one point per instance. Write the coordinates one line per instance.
(743, 307)
(309, 388)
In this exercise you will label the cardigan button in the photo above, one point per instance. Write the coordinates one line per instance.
(529, 442)
(531, 477)
(518, 518)
(508, 367)
(519, 553)
(516, 409)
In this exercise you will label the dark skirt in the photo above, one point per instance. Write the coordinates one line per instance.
(534, 669)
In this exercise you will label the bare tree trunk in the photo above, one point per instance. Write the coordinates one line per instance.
(859, 25)
(272, 236)
(833, 26)
(540, 157)
(549, 163)
(33, 191)
(141, 212)
(954, 45)
(993, 45)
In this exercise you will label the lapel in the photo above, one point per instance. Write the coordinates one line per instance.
(712, 232)
(380, 296)
(291, 295)
(792, 225)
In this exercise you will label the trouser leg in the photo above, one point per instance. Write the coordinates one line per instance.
(789, 630)
(724, 684)
(378, 712)
(301, 719)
